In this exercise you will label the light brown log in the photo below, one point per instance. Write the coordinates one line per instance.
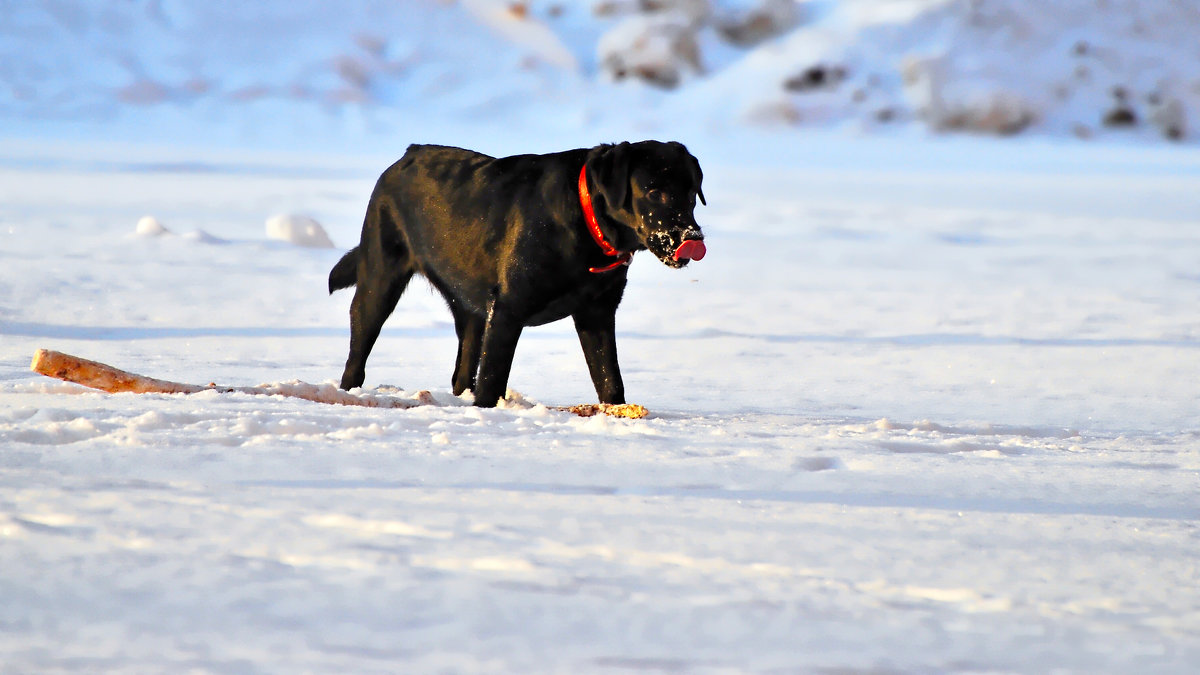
(104, 377)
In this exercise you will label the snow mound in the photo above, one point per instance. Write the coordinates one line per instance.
(659, 49)
(662, 43)
(201, 237)
(298, 230)
(148, 226)
(1074, 67)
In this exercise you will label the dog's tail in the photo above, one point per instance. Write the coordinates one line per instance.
(345, 273)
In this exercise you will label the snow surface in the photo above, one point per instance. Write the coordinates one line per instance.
(928, 405)
(911, 419)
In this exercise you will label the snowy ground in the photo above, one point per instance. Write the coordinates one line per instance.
(926, 407)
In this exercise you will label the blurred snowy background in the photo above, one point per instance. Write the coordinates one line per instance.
(288, 73)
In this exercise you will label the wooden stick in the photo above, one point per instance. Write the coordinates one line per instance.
(104, 377)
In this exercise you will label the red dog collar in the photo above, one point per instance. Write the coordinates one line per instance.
(589, 215)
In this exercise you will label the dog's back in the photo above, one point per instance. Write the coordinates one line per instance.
(422, 180)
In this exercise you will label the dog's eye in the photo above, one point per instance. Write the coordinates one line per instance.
(657, 196)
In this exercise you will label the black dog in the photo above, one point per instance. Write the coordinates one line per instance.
(513, 242)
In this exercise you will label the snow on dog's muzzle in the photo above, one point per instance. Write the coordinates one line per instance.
(690, 249)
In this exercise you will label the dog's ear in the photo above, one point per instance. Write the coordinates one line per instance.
(609, 168)
(698, 177)
(694, 165)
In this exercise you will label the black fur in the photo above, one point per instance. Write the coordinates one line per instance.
(505, 243)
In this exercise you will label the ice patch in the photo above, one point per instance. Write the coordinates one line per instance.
(371, 527)
(494, 564)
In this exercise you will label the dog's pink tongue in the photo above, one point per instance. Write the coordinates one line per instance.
(692, 249)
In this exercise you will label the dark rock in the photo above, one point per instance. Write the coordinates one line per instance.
(1120, 116)
(815, 77)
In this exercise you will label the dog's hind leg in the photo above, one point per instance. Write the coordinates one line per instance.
(373, 302)
(500, 335)
(384, 270)
(470, 340)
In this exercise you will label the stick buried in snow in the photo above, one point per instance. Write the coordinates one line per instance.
(104, 377)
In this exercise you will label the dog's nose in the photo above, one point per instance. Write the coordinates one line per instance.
(691, 249)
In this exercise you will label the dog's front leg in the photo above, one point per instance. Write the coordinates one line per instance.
(598, 337)
(500, 335)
